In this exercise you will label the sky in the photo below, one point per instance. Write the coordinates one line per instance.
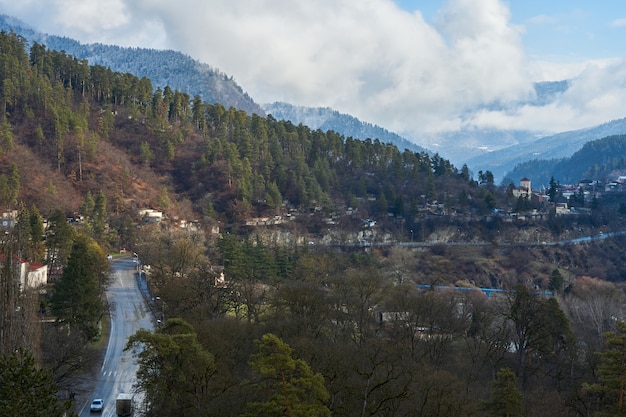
(410, 66)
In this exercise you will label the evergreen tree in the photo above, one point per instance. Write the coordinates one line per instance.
(77, 298)
(556, 281)
(146, 153)
(36, 235)
(99, 215)
(59, 239)
(86, 209)
(553, 190)
(611, 389)
(506, 398)
(539, 326)
(30, 233)
(26, 390)
(289, 388)
(14, 184)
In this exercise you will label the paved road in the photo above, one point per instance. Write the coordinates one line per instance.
(129, 313)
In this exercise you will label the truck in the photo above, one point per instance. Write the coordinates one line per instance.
(124, 405)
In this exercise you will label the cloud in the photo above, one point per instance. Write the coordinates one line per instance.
(367, 58)
(541, 19)
(618, 23)
(596, 95)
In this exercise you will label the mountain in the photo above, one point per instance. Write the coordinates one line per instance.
(462, 146)
(325, 119)
(557, 146)
(481, 149)
(458, 147)
(181, 72)
(597, 159)
(163, 68)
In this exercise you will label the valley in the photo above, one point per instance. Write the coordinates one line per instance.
(288, 263)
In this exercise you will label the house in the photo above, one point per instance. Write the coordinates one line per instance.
(150, 215)
(36, 276)
(8, 219)
(524, 189)
(561, 208)
(220, 280)
(31, 274)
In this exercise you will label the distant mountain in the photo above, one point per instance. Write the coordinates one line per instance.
(597, 159)
(547, 91)
(325, 119)
(464, 145)
(171, 68)
(557, 146)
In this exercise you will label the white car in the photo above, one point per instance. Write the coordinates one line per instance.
(96, 406)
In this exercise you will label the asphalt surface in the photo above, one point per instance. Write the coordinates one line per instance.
(128, 295)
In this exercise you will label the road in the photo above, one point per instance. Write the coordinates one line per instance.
(129, 313)
(585, 239)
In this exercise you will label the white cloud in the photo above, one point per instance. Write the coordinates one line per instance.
(541, 19)
(619, 22)
(367, 58)
(596, 95)
(85, 16)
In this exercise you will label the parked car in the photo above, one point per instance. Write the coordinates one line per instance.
(96, 405)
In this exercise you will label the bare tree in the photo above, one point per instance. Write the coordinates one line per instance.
(594, 305)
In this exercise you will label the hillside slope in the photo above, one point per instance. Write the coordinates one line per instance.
(550, 147)
(325, 118)
(598, 159)
(163, 68)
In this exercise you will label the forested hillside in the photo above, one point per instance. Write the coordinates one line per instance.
(89, 129)
(328, 119)
(259, 324)
(163, 68)
(602, 159)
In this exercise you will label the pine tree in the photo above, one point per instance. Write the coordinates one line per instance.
(26, 390)
(611, 389)
(556, 281)
(506, 398)
(77, 297)
(289, 386)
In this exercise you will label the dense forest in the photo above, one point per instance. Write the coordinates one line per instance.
(162, 67)
(598, 160)
(295, 326)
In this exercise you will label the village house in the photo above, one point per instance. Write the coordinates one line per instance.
(524, 189)
(36, 276)
(8, 219)
(31, 274)
(150, 215)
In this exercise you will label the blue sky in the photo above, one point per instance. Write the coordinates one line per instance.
(416, 67)
(563, 29)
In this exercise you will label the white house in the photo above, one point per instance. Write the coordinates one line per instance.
(31, 275)
(524, 189)
(37, 275)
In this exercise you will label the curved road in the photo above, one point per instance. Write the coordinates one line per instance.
(129, 313)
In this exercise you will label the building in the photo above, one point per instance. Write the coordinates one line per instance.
(31, 274)
(36, 276)
(524, 189)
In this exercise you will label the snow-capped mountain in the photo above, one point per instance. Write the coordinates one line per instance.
(325, 119)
